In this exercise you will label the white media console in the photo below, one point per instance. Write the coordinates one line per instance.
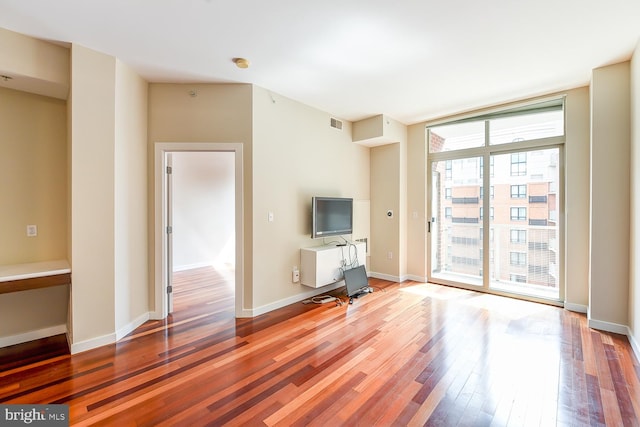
(322, 265)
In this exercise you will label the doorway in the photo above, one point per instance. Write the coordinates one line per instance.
(193, 248)
(202, 221)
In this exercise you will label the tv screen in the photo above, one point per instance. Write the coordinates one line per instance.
(331, 216)
(355, 280)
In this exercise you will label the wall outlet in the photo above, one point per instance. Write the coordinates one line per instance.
(32, 230)
(295, 275)
(390, 255)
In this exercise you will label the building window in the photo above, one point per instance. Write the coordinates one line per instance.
(519, 191)
(518, 236)
(448, 171)
(518, 164)
(490, 234)
(482, 166)
(518, 258)
(447, 212)
(518, 214)
(518, 278)
(490, 212)
(447, 193)
(482, 192)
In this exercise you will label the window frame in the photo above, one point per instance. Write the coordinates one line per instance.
(518, 217)
(519, 194)
(487, 154)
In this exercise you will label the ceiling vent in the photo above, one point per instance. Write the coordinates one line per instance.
(336, 124)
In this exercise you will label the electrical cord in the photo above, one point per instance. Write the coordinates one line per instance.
(322, 299)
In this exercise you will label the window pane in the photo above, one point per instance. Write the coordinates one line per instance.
(526, 127)
(456, 136)
(525, 224)
(456, 243)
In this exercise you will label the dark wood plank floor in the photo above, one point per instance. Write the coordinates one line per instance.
(408, 354)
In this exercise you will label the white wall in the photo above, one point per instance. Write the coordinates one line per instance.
(416, 203)
(130, 204)
(577, 197)
(610, 206)
(386, 170)
(634, 253)
(203, 209)
(35, 65)
(92, 196)
(296, 155)
(108, 105)
(218, 113)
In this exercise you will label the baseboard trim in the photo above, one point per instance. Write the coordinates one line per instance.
(383, 276)
(131, 326)
(578, 308)
(634, 343)
(155, 315)
(96, 342)
(416, 278)
(33, 335)
(290, 300)
(90, 344)
(608, 326)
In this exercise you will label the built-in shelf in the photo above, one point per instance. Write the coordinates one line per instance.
(323, 265)
(35, 275)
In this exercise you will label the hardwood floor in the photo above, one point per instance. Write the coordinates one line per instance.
(408, 354)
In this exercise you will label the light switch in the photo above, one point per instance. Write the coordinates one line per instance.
(270, 216)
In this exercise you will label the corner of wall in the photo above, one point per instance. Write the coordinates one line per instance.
(634, 243)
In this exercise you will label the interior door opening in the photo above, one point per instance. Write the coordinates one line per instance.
(198, 213)
(201, 215)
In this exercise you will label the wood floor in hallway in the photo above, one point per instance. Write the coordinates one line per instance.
(407, 354)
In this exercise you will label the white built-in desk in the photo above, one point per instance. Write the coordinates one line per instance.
(34, 275)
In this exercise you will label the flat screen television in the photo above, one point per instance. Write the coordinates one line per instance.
(331, 216)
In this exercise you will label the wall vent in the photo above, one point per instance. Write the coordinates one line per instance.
(336, 124)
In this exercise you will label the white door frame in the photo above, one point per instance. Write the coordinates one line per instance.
(160, 219)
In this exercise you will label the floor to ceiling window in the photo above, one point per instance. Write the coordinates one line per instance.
(496, 201)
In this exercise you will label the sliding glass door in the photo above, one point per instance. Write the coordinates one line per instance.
(456, 225)
(524, 246)
(496, 204)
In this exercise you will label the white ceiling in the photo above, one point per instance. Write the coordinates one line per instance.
(411, 60)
